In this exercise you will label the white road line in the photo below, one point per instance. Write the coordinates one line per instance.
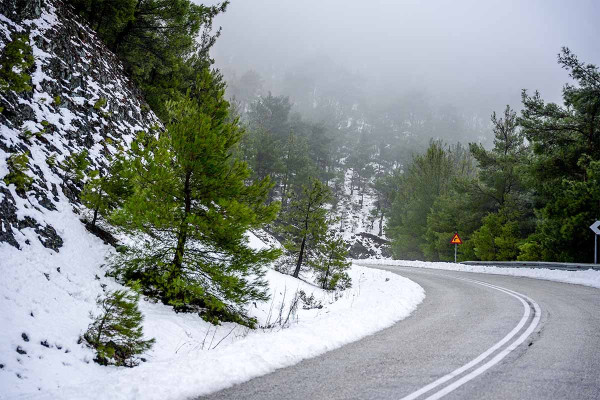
(488, 352)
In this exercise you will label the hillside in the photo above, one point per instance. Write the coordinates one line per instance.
(53, 267)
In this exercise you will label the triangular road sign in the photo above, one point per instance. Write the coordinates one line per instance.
(456, 239)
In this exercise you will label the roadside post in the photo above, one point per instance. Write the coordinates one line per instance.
(596, 228)
(456, 241)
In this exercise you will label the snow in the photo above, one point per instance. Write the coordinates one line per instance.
(48, 296)
(583, 277)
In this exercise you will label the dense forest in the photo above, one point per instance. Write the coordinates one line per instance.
(231, 156)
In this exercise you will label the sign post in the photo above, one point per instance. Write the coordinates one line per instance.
(456, 241)
(596, 228)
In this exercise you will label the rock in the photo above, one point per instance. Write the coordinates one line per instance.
(8, 217)
(49, 238)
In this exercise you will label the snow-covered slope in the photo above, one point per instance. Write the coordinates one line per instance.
(52, 267)
(359, 228)
(80, 100)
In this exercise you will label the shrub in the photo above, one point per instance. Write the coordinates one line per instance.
(15, 61)
(51, 160)
(100, 103)
(17, 166)
(75, 166)
(117, 333)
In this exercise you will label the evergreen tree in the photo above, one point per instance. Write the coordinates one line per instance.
(566, 144)
(501, 169)
(18, 165)
(427, 178)
(15, 62)
(116, 332)
(191, 208)
(384, 188)
(271, 114)
(75, 165)
(461, 209)
(331, 264)
(163, 43)
(304, 225)
(104, 192)
(296, 166)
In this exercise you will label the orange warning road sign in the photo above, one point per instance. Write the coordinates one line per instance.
(456, 239)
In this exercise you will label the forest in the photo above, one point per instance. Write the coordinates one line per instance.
(229, 156)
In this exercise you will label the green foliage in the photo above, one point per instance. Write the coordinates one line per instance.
(566, 145)
(163, 43)
(17, 168)
(304, 224)
(26, 134)
(75, 165)
(497, 239)
(116, 333)
(331, 264)
(428, 177)
(106, 191)
(51, 160)
(56, 100)
(460, 210)
(15, 62)
(192, 207)
(100, 103)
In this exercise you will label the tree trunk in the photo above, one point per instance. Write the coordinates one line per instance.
(300, 257)
(182, 234)
(326, 277)
(380, 225)
(95, 216)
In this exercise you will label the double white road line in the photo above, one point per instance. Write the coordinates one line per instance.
(479, 365)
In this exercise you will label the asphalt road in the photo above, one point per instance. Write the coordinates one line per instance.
(541, 341)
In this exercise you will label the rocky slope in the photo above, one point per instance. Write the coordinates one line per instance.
(79, 99)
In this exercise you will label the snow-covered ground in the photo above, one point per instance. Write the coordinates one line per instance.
(584, 277)
(47, 290)
(357, 226)
(46, 297)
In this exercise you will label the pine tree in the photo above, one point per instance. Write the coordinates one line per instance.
(17, 165)
(75, 165)
(191, 208)
(116, 332)
(15, 62)
(105, 191)
(331, 264)
(566, 144)
(304, 225)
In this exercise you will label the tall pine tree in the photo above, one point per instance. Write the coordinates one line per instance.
(304, 225)
(191, 208)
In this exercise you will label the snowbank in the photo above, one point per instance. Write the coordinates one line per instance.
(46, 297)
(584, 277)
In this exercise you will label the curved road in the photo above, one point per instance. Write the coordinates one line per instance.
(476, 336)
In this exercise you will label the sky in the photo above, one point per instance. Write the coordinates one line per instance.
(475, 55)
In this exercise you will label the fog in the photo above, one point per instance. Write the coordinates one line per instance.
(475, 56)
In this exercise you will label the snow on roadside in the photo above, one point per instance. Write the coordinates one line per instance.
(583, 277)
(46, 297)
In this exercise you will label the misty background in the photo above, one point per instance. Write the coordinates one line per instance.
(465, 57)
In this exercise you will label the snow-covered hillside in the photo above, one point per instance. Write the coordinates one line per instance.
(359, 228)
(52, 268)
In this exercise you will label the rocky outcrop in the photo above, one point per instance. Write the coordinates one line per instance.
(364, 245)
(80, 99)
